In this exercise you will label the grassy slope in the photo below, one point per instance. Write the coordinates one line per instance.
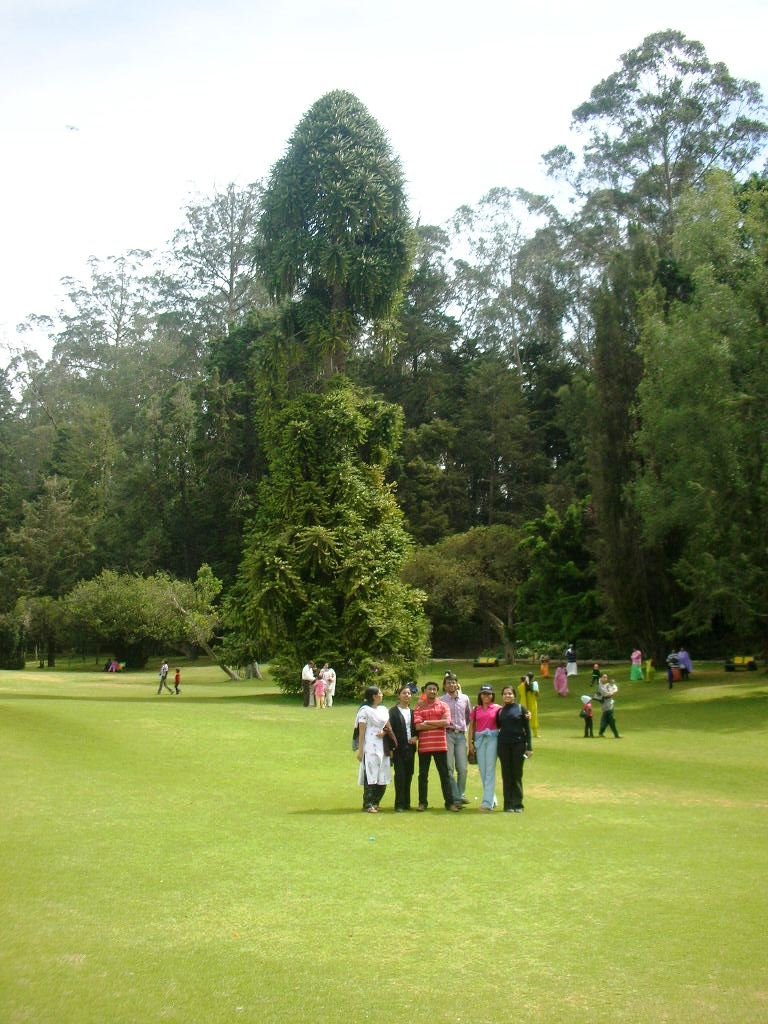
(203, 859)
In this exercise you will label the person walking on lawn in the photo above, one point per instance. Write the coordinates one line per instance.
(164, 678)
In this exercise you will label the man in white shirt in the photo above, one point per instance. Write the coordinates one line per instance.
(307, 683)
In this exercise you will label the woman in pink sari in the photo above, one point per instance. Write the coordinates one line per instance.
(561, 681)
(636, 660)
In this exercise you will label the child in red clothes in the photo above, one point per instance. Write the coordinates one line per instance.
(586, 714)
(177, 680)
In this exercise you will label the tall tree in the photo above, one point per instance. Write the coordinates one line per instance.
(212, 284)
(559, 601)
(632, 577)
(512, 279)
(422, 369)
(495, 448)
(323, 552)
(515, 285)
(335, 230)
(104, 317)
(653, 130)
(703, 402)
(49, 551)
(11, 487)
(472, 581)
(324, 548)
(418, 365)
(52, 548)
(656, 126)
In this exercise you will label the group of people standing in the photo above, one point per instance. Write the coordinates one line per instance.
(318, 686)
(448, 731)
(678, 662)
(565, 670)
(679, 666)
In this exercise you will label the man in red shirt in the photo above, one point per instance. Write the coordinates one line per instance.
(430, 720)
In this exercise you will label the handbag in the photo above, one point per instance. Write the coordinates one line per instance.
(390, 742)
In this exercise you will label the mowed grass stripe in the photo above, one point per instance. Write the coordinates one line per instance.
(203, 858)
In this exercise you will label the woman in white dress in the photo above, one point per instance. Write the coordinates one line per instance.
(372, 725)
(571, 668)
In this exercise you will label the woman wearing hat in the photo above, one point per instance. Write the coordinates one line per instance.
(482, 740)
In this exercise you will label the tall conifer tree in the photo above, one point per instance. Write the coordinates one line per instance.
(320, 575)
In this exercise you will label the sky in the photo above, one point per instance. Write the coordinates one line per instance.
(115, 115)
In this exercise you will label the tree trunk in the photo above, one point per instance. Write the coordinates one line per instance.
(224, 668)
(504, 636)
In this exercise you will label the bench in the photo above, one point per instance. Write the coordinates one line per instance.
(746, 661)
(486, 662)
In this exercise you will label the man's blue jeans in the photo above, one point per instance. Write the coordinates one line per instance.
(457, 763)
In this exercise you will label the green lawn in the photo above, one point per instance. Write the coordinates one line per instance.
(203, 859)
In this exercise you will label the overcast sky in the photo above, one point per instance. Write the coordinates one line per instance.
(114, 114)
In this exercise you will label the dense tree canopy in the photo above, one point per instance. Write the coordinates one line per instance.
(320, 574)
(703, 401)
(129, 614)
(324, 549)
(537, 424)
(335, 226)
(656, 127)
